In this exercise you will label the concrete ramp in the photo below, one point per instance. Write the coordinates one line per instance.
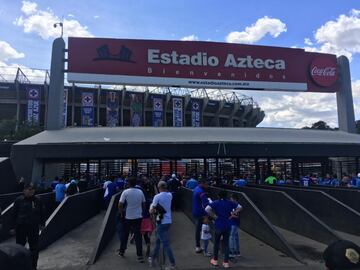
(73, 249)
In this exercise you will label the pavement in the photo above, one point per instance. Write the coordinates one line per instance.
(72, 251)
(255, 254)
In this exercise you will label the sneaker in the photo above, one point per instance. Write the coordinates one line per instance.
(207, 254)
(226, 265)
(232, 255)
(198, 250)
(151, 262)
(214, 262)
(121, 254)
(141, 259)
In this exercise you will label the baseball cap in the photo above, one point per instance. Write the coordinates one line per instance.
(342, 255)
(359, 175)
(173, 175)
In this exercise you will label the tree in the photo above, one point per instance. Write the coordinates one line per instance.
(319, 125)
(8, 130)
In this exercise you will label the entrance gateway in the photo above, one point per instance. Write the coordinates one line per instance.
(194, 65)
(198, 64)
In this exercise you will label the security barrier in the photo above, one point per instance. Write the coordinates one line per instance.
(283, 211)
(331, 211)
(73, 211)
(107, 230)
(8, 222)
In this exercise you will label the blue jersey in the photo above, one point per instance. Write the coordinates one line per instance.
(192, 183)
(223, 210)
(60, 192)
(199, 202)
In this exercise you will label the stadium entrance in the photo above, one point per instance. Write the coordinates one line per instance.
(195, 65)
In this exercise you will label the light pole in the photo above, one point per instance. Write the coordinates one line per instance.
(62, 27)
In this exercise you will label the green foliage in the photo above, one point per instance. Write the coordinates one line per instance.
(8, 130)
(319, 125)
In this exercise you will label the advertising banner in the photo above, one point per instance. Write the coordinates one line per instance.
(195, 113)
(33, 105)
(66, 93)
(87, 109)
(112, 109)
(157, 112)
(200, 64)
(177, 112)
(136, 109)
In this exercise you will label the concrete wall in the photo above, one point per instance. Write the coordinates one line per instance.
(73, 211)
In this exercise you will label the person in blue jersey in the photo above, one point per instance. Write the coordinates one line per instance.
(222, 210)
(120, 183)
(199, 202)
(192, 183)
(239, 181)
(60, 190)
(109, 192)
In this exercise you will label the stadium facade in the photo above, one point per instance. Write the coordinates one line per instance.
(116, 105)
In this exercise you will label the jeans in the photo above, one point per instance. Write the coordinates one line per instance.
(234, 242)
(199, 222)
(134, 225)
(225, 237)
(29, 233)
(162, 237)
(206, 244)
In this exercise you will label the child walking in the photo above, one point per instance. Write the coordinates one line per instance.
(147, 226)
(206, 235)
(234, 240)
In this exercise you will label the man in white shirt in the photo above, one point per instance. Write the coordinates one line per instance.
(135, 201)
(163, 199)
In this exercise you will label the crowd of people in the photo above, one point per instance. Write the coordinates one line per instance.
(145, 206)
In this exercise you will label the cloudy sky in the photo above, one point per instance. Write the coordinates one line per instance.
(332, 26)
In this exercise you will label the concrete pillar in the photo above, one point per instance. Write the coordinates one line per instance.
(98, 104)
(204, 104)
(123, 95)
(345, 104)
(56, 93)
(73, 105)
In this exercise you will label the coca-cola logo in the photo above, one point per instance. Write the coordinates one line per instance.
(323, 71)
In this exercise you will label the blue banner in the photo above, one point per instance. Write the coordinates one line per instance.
(112, 109)
(87, 109)
(195, 113)
(158, 112)
(177, 112)
(33, 105)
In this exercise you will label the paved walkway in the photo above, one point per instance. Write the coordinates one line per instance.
(256, 255)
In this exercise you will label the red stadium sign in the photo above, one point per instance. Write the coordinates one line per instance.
(198, 64)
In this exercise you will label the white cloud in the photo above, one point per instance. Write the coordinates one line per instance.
(41, 22)
(71, 15)
(308, 42)
(7, 52)
(296, 110)
(28, 7)
(190, 38)
(340, 36)
(257, 31)
(96, 17)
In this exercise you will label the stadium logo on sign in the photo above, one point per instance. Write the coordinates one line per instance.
(124, 54)
(323, 71)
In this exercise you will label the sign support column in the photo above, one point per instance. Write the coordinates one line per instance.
(56, 92)
(345, 104)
